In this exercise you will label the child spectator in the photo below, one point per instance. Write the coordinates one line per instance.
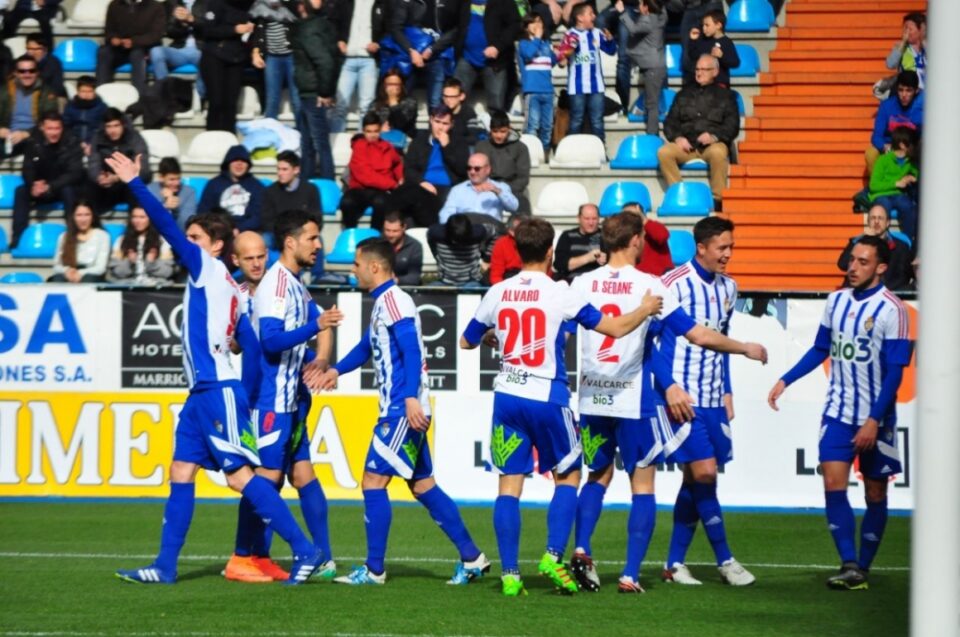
(141, 256)
(397, 111)
(893, 183)
(581, 47)
(536, 61)
(645, 50)
(710, 40)
(375, 170)
(178, 198)
(272, 53)
(83, 250)
(83, 114)
(910, 53)
(509, 157)
(905, 108)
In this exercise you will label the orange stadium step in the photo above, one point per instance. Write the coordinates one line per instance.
(817, 19)
(881, 45)
(862, 78)
(745, 170)
(816, 111)
(897, 7)
(872, 65)
(792, 184)
(821, 91)
(807, 123)
(890, 33)
(799, 146)
(811, 100)
(800, 211)
(819, 54)
(769, 194)
(855, 137)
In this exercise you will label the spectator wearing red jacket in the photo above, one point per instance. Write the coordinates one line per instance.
(375, 169)
(505, 258)
(655, 258)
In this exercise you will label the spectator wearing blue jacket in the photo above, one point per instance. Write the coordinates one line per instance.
(537, 60)
(83, 115)
(903, 109)
(235, 191)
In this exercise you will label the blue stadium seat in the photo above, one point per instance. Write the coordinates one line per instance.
(266, 181)
(397, 138)
(896, 234)
(741, 107)
(346, 245)
(686, 199)
(78, 55)
(621, 192)
(750, 16)
(39, 241)
(638, 113)
(8, 184)
(184, 68)
(197, 183)
(21, 277)
(637, 152)
(330, 195)
(272, 257)
(682, 246)
(674, 60)
(115, 230)
(749, 61)
(695, 164)
(4, 242)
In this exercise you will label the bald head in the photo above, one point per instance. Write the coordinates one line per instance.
(250, 255)
(707, 69)
(478, 168)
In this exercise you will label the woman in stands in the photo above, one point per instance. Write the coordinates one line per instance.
(141, 256)
(83, 250)
(397, 111)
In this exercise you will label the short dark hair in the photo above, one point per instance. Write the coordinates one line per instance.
(717, 16)
(880, 245)
(441, 110)
(655, 6)
(909, 79)
(370, 119)
(395, 216)
(112, 114)
(534, 237)
(459, 230)
(290, 223)
(289, 157)
(530, 18)
(26, 58)
(619, 229)
(169, 166)
(499, 119)
(917, 17)
(37, 38)
(218, 226)
(903, 136)
(630, 204)
(451, 82)
(710, 227)
(379, 249)
(578, 10)
(87, 80)
(51, 116)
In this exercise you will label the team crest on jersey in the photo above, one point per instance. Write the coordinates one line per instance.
(726, 305)
(218, 426)
(868, 324)
(384, 428)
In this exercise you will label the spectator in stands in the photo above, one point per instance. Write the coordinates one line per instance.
(488, 29)
(52, 171)
(900, 271)
(117, 135)
(51, 70)
(141, 256)
(43, 11)
(655, 257)
(505, 259)
(536, 59)
(433, 163)
(585, 78)
(83, 250)
(407, 251)
(703, 123)
(479, 194)
(364, 25)
(177, 197)
(645, 50)
(316, 59)
(692, 17)
(272, 53)
(710, 40)
(131, 29)
(903, 109)
(83, 115)
(183, 49)
(289, 192)
(893, 183)
(437, 23)
(580, 249)
(221, 26)
(22, 104)
(461, 250)
(467, 127)
(375, 170)
(235, 190)
(397, 111)
(509, 158)
(910, 53)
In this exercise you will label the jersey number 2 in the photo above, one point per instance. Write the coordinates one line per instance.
(603, 354)
(530, 328)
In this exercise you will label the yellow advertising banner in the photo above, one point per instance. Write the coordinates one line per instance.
(119, 445)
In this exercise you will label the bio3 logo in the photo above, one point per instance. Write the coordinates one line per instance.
(851, 351)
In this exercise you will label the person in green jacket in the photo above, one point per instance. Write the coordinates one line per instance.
(23, 102)
(316, 67)
(893, 183)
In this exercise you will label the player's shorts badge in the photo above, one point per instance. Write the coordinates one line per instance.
(218, 426)
(384, 428)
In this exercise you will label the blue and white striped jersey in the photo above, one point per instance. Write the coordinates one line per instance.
(861, 333)
(586, 70)
(709, 299)
(391, 306)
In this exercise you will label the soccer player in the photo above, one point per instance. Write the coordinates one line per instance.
(399, 446)
(526, 314)
(214, 431)
(865, 333)
(708, 295)
(619, 407)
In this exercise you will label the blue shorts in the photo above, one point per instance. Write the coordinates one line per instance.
(283, 439)
(521, 425)
(398, 450)
(883, 461)
(214, 430)
(708, 435)
(641, 441)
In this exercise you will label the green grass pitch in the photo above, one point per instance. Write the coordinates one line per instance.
(57, 561)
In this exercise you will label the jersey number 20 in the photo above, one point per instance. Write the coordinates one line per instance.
(530, 329)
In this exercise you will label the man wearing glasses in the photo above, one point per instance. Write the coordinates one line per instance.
(22, 104)
(479, 194)
(702, 124)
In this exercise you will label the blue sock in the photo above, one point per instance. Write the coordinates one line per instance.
(177, 515)
(560, 516)
(589, 507)
(445, 513)
(871, 531)
(263, 534)
(685, 518)
(506, 524)
(842, 524)
(270, 506)
(640, 525)
(313, 504)
(377, 515)
(248, 526)
(708, 507)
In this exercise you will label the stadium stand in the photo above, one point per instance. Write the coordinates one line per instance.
(621, 192)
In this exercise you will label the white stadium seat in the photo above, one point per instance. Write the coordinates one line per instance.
(340, 145)
(561, 199)
(88, 13)
(161, 143)
(532, 142)
(209, 147)
(119, 95)
(579, 151)
(420, 234)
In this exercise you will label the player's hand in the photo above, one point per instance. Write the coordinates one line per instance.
(775, 394)
(651, 303)
(490, 339)
(728, 404)
(756, 352)
(680, 404)
(866, 438)
(415, 416)
(330, 318)
(313, 371)
(324, 381)
(123, 167)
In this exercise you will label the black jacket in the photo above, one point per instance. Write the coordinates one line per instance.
(59, 164)
(277, 200)
(316, 57)
(455, 157)
(899, 275)
(703, 109)
(177, 30)
(414, 13)
(130, 144)
(501, 24)
(215, 22)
